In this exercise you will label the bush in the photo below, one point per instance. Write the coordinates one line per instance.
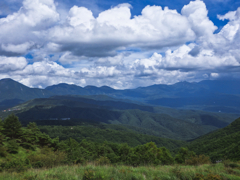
(177, 171)
(102, 161)
(198, 160)
(47, 158)
(18, 165)
(208, 177)
(213, 177)
(37, 164)
(198, 177)
(233, 165)
(90, 174)
(3, 151)
(12, 146)
(81, 161)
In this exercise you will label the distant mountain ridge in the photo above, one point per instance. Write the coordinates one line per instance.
(216, 95)
(12, 93)
(132, 108)
(157, 121)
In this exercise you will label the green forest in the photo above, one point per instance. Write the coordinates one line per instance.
(31, 147)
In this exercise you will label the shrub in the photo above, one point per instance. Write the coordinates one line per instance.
(47, 158)
(213, 177)
(177, 171)
(12, 146)
(90, 174)
(183, 154)
(37, 164)
(102, 161)
(198, 160)
(81, 161)
(198, 177)
(233, 165)
(30, 177)
(3, 151)
(18, 165)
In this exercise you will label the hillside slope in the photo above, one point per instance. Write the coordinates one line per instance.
(13, 93)
(221, 144)
(140, 118)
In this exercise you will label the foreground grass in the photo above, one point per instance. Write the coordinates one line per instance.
(90, 171)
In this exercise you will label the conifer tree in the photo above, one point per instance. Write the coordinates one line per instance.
(12, 127)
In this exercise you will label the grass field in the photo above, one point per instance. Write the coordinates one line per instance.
(221, 171)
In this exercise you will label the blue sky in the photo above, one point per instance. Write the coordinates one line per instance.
(122, 44)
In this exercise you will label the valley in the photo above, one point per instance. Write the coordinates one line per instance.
(184, 124)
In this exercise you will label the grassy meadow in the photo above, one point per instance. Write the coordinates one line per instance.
(221, 171)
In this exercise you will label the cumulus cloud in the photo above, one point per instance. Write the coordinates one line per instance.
(10, 64)
(18, 49)
(196, 13)
(230, 16)
(227, 41)
(113, 29)
(19, 30)
(84, 35)
(116, 49)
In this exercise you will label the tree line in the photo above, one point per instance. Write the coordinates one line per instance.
(27, 147)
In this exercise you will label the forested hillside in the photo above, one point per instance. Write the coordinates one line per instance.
(221, 144)
(145, 119)
(26, 147)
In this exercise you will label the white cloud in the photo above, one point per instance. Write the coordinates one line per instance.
(83, 35)
(46, 68)
(116, 49)
(196, 13)
(19, 48)
(114, 28)
(22, 28)
(214, 75)
(9, 64)
(81, 16)
(230, 16)
(68, 58)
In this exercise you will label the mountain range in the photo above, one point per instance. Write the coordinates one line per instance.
(215, 95)
(181, 111)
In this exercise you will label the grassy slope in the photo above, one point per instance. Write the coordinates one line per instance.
(223, 143)
(124, 172)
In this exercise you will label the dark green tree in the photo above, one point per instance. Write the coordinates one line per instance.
(3, 149)
(183, 154)
(12, 127)
(29, 138)
(1, 132)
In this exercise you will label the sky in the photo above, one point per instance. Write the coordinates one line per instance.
(121, 44)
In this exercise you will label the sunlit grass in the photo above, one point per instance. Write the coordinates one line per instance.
(120, 172)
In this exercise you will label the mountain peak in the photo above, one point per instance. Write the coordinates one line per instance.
(106, 87)
(8, 80)
(10, 83)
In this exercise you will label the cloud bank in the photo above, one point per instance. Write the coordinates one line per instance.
(39, 46)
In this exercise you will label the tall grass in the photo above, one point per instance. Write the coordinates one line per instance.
(109, 172)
